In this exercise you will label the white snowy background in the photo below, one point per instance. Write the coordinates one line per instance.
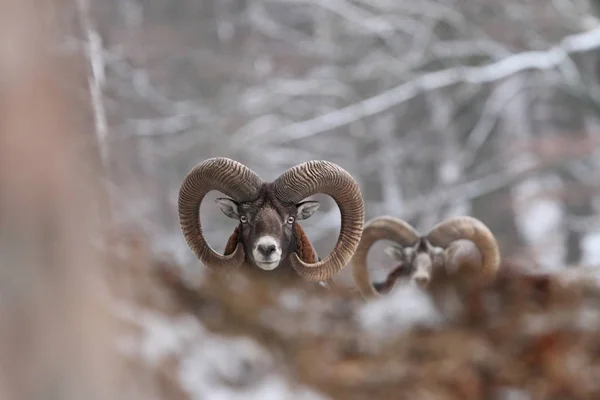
(437, 108)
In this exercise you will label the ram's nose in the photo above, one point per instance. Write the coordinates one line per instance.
(267, 252)
(422, 281)
(266, 249)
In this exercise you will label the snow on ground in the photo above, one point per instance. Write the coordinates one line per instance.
(404, 308)
(211, 367)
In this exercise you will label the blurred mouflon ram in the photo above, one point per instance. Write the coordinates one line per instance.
(460, 246)
(268, 238)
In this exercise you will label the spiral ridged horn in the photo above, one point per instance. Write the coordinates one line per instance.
(318, 176)
(376, 229)
(454, 230)
(227, 176)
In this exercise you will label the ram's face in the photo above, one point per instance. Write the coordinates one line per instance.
(417, 262)
(267, 227)
(422, 269)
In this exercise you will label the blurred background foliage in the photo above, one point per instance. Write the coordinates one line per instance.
(437, 108)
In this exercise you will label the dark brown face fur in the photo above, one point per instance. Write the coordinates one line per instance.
(267, 226)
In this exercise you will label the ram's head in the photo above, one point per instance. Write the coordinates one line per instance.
(268, 236)
(460, 245)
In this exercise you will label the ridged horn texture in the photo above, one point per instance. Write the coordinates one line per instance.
(312, 177)
(376, 229)
(469, 228)
(227, 176)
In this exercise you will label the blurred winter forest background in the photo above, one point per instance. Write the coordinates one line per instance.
(437, 107)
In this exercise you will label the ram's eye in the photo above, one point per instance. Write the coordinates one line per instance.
(291, 220)
(243, 219)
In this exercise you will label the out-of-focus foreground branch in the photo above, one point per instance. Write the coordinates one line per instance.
(56, 341)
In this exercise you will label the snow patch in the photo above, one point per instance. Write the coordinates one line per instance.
(210, 366)
(405, 307)
(591, 249)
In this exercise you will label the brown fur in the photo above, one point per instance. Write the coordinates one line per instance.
(304, 247)
(232, 242)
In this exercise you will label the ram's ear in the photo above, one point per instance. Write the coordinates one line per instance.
(394, 252)
(229, 207)
(306, 209)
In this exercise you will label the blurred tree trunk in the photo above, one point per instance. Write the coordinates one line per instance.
(577, 205)
(569, 123)
(496, 208)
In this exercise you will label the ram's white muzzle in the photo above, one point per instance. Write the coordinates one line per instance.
(267, 253)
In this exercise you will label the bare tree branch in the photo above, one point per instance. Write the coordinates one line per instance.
(540, 60)
(96, 79)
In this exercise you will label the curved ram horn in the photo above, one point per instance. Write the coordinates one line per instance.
(227, 176)
(312, 177)
(376, 229)
(457, 236)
